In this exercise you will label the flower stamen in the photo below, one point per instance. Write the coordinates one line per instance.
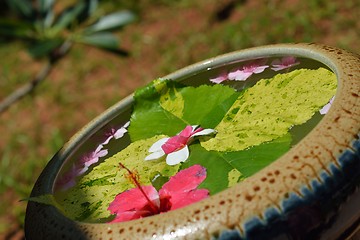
(134, 177)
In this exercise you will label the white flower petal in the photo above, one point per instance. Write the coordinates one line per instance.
(107, 140)
(178, 156)
(102, 153)
(82, 170)
(155, 155)
(120, 133)
(98, 149)
(242, 76)
(260, 69)
(194, 127)
(232, 75)
(157, 145)
(204, 132)
(126, 124)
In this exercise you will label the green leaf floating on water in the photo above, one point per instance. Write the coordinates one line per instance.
(269, 109)
(223, 166)
(165, 108)
(90, 198)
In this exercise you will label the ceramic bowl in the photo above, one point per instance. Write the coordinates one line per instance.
(311, 192)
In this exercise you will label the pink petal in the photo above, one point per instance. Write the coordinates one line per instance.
(116, 133)
(127, 216)
(120, 133)
(174, 143)
(94, 156)
(133, 200)
(178, 156)
(186, 198)
(285, 62)
(107, 140)
(232, 75)
(102, 153)
(187, 132)
(98, 148)
(260, 69)
(195, 129)
(184, 181)
(326, 108)
(68, 179)
(242, 76)
(65, 185)
(89, 159)
(82, 170)
(219, 79)
(65, 182)
(278, 67)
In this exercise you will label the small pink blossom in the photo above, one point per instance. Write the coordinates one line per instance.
(176, 147)
(143, 201)
(116, 134)
(247, 70)
(285, 62)
(221, 78)
(93, 157)
(68, 179)
(326, 108)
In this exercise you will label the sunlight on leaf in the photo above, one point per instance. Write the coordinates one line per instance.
(156, 114)
(111, 21)
(103, 40)
(233, 177)
(68, 16)
(246, 162)
(173, 102)
(270, 108)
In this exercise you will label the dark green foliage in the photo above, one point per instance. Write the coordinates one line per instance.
(44, 31)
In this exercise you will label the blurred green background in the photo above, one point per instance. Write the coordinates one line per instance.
(166, 36)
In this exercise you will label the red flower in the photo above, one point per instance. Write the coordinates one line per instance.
(145, 201)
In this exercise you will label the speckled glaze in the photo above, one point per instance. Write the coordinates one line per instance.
(311, 192)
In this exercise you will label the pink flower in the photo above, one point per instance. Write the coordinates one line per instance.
(326, 108)
(68, 179)
(93, 157)
(176, 147)
(220, 78)
(144, 201)
(116, 134)
(247, 70)
(285, 62)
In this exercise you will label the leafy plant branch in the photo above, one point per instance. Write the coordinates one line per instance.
(41, 76)
(51, 36)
